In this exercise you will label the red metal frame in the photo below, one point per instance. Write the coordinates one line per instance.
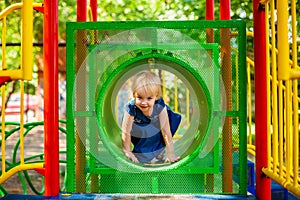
(4, 79)
(81, 10)
(94, 6)
(210, 10)
(263, 184)
(225, 9)
(51, 141)
(263, 187)
(227, 78)
(80, 146)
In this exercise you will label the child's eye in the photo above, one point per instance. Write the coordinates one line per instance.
(150, 98)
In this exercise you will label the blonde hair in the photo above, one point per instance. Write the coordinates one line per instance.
(148, 81)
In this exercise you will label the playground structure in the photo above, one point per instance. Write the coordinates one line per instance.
(276, 123)
(116, 54)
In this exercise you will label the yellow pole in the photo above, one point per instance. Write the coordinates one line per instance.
(3, 150)
(164, 91)
(187, 107)
(288, 129)
(295, 133)
(295, 96)
(26, 45)
(280, 128)
(22, 122)
(4, 43)
(282, 36)
(284, 70)
(176, 100)
(274, 92)
(175, 94)
(249, 102)
(294, 33)
(268, 87)
(295, 71)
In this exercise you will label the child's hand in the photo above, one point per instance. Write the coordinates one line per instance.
(131, 156)
(171, 158)
(170, 151)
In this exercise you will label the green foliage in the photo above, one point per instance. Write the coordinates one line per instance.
(122, 10)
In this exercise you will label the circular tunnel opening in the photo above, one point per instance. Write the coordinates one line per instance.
(190, 138)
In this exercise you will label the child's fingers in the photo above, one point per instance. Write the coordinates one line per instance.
(134, 159)
(172, 159)
(177, 159)
(131, 156)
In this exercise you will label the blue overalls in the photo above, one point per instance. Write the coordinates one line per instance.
(146, 135)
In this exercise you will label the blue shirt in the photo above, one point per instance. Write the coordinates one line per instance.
(146, 134)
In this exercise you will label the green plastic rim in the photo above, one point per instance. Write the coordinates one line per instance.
(110, 131)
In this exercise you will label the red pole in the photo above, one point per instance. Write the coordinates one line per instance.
(80, 141)
(227, 78)
(93, 4)
(263, 185)
(210, 39)
(94, 177)
(81, 10)
(210, 9)
(51, 148)
(225, 9)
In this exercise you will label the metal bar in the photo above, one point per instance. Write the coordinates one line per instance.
(80, 141)
(35, 44)
(27, 35)
(274, 90)
(70, 123)
(263, 184)
(22, 122)
(210, 9)
(94, 6)
(282, 37)
(51, 97)
(227, 77)
(21, 167)
(9, 9)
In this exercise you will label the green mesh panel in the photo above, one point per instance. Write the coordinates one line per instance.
(211, 87)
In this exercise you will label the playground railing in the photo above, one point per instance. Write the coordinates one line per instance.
(33, 156)
(24, 73)
(283, 103)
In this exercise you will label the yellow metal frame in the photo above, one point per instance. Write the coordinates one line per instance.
(25, 71)
(285, 72)
(22, 166)
(283, 100)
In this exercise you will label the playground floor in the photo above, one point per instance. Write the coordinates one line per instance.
(128, 197)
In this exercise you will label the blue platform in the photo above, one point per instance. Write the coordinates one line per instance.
(127, 197)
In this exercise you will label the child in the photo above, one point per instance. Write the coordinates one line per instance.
(148, 124)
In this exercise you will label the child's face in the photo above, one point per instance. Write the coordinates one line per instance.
(144, 101)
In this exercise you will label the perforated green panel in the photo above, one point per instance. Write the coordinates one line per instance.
(210, 88)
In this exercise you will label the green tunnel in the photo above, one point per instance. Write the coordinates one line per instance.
(188, 146)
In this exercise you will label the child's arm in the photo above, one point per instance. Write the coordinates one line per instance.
(126, 137)
(167, 135)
